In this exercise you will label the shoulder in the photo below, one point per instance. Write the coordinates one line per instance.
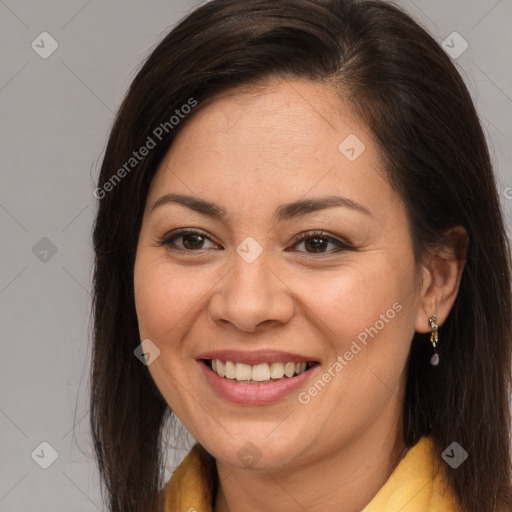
(192, 485)
(417, 484)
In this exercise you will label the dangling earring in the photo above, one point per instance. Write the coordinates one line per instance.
(434, 338)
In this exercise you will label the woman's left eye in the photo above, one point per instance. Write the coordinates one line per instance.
(319, 242)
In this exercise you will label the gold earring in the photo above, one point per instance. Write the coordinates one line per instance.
(434, 338)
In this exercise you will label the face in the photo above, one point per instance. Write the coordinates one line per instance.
(275, 274)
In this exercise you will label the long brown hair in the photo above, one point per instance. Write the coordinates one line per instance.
(408, 92)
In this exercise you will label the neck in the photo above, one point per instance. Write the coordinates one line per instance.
(346, 478)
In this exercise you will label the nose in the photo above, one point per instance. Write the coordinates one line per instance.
(251, 296)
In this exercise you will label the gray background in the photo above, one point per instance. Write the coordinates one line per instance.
(55, 115)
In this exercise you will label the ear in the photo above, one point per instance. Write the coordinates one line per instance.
(442, 273)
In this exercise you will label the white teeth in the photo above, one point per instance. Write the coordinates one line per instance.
(289, 369)
(230, 370)
(243, 371)
(276, 370)
(262, 372)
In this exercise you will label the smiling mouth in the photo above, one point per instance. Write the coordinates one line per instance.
(263, 373)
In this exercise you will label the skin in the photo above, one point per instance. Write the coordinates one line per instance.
(250, 151)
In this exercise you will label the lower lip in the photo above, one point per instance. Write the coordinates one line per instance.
(254, 394)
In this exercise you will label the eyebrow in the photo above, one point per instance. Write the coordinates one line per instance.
(284, 212)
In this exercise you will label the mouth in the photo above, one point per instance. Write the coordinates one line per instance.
(258, 374)
(256, 377)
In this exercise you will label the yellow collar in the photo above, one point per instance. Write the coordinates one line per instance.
(416, 484)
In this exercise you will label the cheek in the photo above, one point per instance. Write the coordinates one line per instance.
(164, 297)
(165, 301)
(366, 315)
(349, 300)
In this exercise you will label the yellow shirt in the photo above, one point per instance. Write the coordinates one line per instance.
(416, 484)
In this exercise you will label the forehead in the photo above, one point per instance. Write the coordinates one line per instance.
(276, 115)
(280, 140)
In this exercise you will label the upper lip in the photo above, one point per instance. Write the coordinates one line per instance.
(255, 356)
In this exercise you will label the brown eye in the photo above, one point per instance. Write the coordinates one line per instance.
(320, 243)
(193, 241)
(187, 240)
(316, 244)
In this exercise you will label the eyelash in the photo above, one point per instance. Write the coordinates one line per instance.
(168, 240)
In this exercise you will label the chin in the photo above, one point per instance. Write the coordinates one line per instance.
(255, 449)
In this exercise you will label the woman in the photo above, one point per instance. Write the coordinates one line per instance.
(299, 237)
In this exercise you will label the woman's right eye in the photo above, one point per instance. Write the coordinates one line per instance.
(187, 240)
